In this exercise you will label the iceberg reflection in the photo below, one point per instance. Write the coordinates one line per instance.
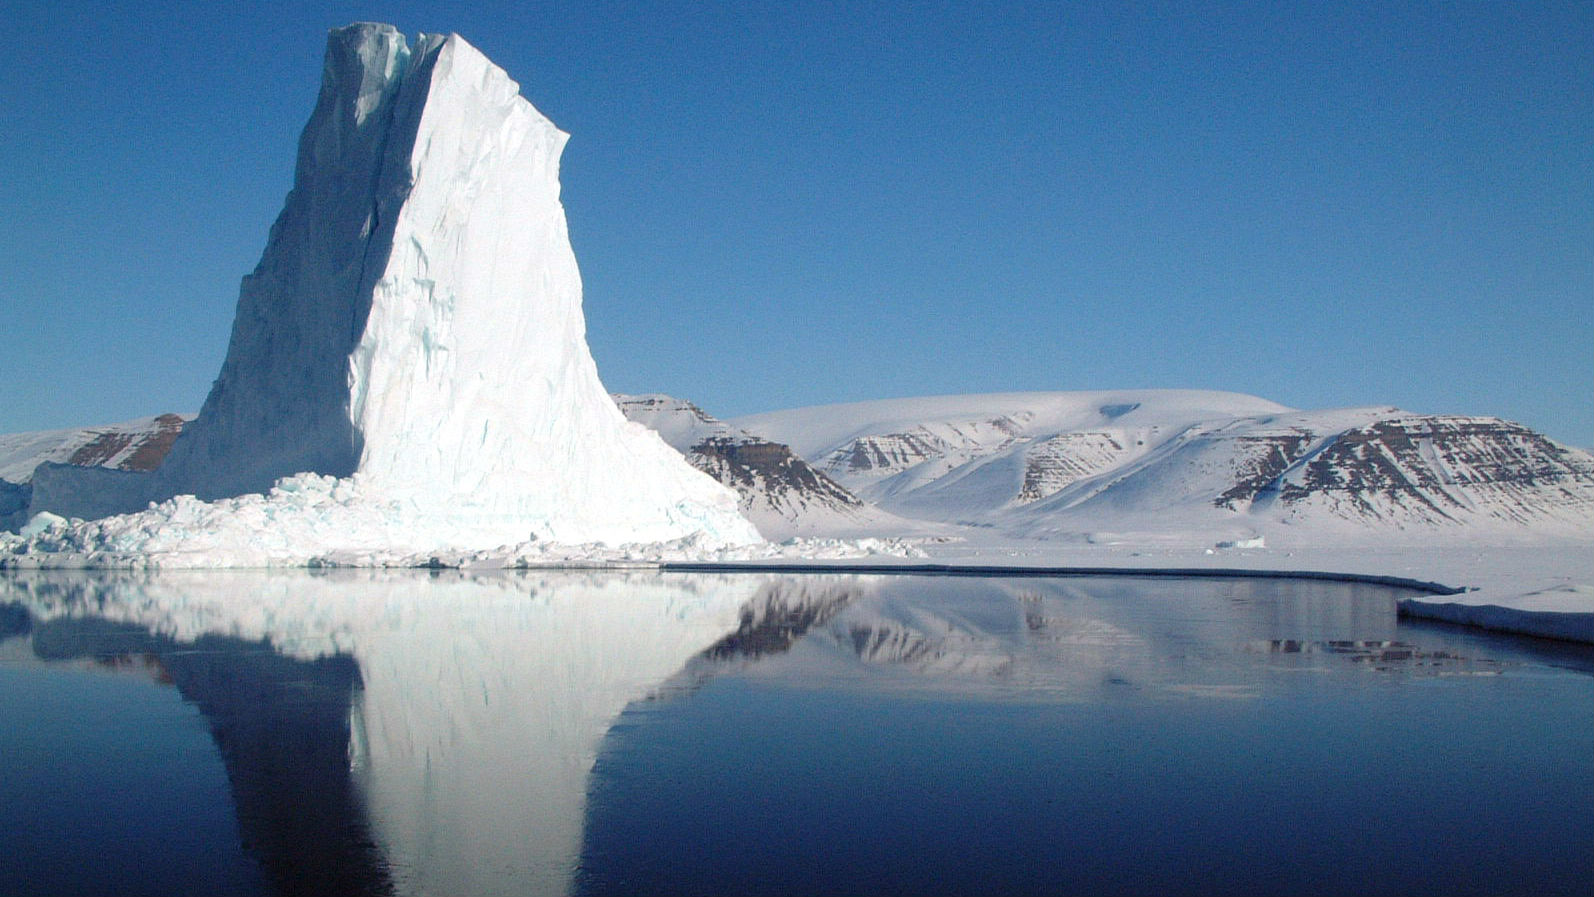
(546, 732)
(397, 731)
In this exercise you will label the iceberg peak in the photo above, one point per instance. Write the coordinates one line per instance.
(415, 326)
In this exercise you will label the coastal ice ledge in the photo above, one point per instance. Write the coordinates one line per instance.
(408, 371)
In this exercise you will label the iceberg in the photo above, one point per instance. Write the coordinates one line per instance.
(411, 349)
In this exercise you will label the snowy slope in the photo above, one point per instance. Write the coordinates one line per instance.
(1215, 465)
(960, 458)
(1309, 475)
(131, 445)
(817, 430)
(414, 332)
(120, 451)
(780, 493)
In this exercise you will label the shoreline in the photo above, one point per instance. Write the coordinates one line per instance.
(910, 569)
(1575, 626)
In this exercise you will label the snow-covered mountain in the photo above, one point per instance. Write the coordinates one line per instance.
(780, 492)
(136, 446)
(1092, 464)
(958, 458)
(410, 351)
(1379, 470)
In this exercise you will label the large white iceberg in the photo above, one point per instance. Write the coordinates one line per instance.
(414, 331)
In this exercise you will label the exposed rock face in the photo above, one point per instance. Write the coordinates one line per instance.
(131, 450)
(1051, 465)
(1260, 460)
(119, 452)
(1443, 468)
(887, 454)
(881, 455)
(780, 492)
(1378, 467)
(136, 445)
(1395, 467)
(757, 467)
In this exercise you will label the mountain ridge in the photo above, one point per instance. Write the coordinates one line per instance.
(1148, 465)
(1073, 465)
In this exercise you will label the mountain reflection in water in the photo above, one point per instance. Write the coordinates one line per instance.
(918, 735)
(1057, 639)
(436, 732)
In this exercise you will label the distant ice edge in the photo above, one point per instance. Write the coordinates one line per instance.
(1569, 625)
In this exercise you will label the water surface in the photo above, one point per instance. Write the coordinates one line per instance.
(400, 732)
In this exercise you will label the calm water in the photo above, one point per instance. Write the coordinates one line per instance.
(366, 732)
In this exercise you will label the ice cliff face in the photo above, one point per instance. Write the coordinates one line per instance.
(286, 401)
(415, 327)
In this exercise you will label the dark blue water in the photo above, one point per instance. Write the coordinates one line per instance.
(1120, 736)
(655, 734)
(112, 784)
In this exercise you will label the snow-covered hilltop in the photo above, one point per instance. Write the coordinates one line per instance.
(1378, 469)
(1165, 463)
(780, 493)
(410, 352)
(136, 446)
(961, 458)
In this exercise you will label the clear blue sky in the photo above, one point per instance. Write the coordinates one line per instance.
(787, 204)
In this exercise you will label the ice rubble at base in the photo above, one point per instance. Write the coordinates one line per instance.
(323, 521)
(408, 371)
